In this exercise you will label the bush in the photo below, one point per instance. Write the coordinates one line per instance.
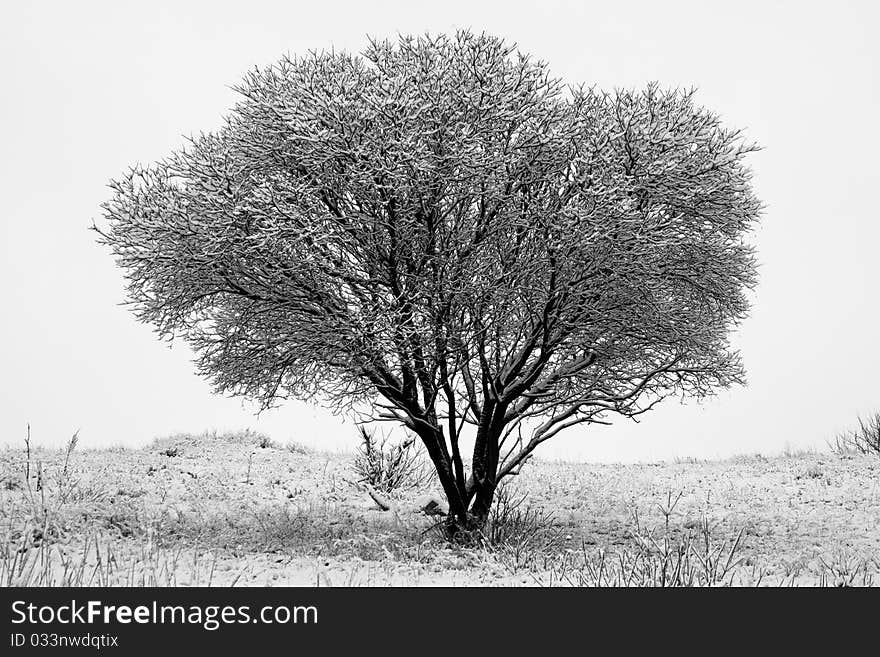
(389, 468)
(512, 522)
(519, 533)
(863, 440)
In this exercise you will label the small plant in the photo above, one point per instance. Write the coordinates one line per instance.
(389, 468)
(814, 472)
(250, 465)
(845, 570)
(863, 440)
(795, 453)
(297, 448)
(659, 557)
(45, 504)
(512, 520)
(519, 532)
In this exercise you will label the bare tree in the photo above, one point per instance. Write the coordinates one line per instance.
(440, 234)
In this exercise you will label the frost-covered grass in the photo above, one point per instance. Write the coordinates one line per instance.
(241, 510)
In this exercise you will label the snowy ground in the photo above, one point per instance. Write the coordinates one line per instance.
(232, 510)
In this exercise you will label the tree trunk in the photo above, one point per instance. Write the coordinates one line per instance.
(485, 464)
(435, 445)
(482, 504)
(469, 509)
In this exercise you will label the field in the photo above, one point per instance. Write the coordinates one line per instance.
(226, 510)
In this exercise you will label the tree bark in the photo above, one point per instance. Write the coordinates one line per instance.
(485, 464)
(434, 443)
(470, 503)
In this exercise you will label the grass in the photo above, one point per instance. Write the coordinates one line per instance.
(230, 509)
(659, 558)
(59, 530)
(44, 545)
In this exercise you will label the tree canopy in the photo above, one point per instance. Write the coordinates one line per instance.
(440, 231)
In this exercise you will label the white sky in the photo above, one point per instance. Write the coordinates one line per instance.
(88, 88)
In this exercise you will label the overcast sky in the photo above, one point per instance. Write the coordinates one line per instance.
(90, 88)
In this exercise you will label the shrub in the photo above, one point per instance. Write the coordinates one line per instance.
(297, 448)
(387, 467)
(518, 532)
(863, 440)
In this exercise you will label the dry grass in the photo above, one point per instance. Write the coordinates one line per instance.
(658, 558)
(240, 510)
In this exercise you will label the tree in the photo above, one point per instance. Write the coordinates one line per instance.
(440, 234)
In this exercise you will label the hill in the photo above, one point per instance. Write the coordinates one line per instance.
(240, 510)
